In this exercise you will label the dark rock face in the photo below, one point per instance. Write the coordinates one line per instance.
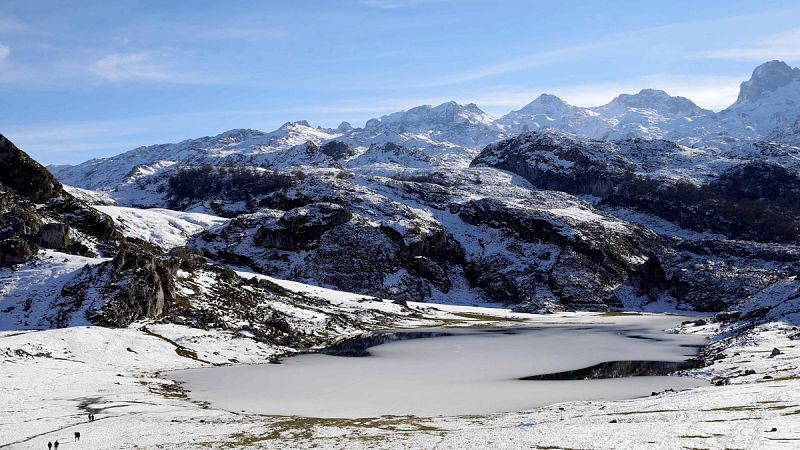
(54, 236)
(206, 183)
(35, 210)
(337, 247)
(21, 173)
(767, 78)
(761, 181)
(708, 208)
(586, 266)
(557, 162)
(189, 259)
(337, 150)
(301, 226)
(15, 250)
(35, 207)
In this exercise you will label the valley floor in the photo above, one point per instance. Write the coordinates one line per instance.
(50, 380)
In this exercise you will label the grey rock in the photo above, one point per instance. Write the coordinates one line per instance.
(15, 250)
(54, 236)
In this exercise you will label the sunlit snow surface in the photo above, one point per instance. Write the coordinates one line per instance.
(469, 372)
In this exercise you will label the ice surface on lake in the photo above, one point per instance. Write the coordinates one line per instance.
(470, 372)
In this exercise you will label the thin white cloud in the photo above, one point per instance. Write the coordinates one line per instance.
(529, 61)
(784, 45)
(139, 66)
(10, 26)
(552, 56)
(4, 52)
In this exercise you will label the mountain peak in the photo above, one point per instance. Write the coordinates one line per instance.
(660, 101)
(767, 77)
(344, 127)
(445, 114)
(545, 104)
(295, 124)
(544, 100)
(453, 107)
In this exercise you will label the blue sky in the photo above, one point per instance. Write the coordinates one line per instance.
(89, 79)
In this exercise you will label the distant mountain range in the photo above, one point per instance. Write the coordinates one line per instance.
(451, 134)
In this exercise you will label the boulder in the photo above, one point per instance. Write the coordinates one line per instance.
(54, 236)
(15, 250)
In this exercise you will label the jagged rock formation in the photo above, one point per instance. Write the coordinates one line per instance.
(137, 283)
(539, 249)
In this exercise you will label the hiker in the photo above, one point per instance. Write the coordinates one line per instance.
(77, 436)
(55, 445)
(49, 445)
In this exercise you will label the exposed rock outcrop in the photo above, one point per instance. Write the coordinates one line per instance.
(137, 284)
(337, 149)
(15, 250)
(25, 176)
(54, 236)
(301, 226)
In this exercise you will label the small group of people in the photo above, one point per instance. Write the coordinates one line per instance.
(54, 445)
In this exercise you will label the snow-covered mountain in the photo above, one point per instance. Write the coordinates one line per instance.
(463, 125)
(450, 134)
(768, 103)
(408, 195)
(241, 146)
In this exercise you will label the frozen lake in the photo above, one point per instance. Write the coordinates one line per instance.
(466, 371)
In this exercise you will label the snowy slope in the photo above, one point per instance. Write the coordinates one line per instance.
(255, 147)
(163, 227)
(29, 293)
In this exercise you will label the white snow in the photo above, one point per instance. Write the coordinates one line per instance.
(28, 291)
(163, 227)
